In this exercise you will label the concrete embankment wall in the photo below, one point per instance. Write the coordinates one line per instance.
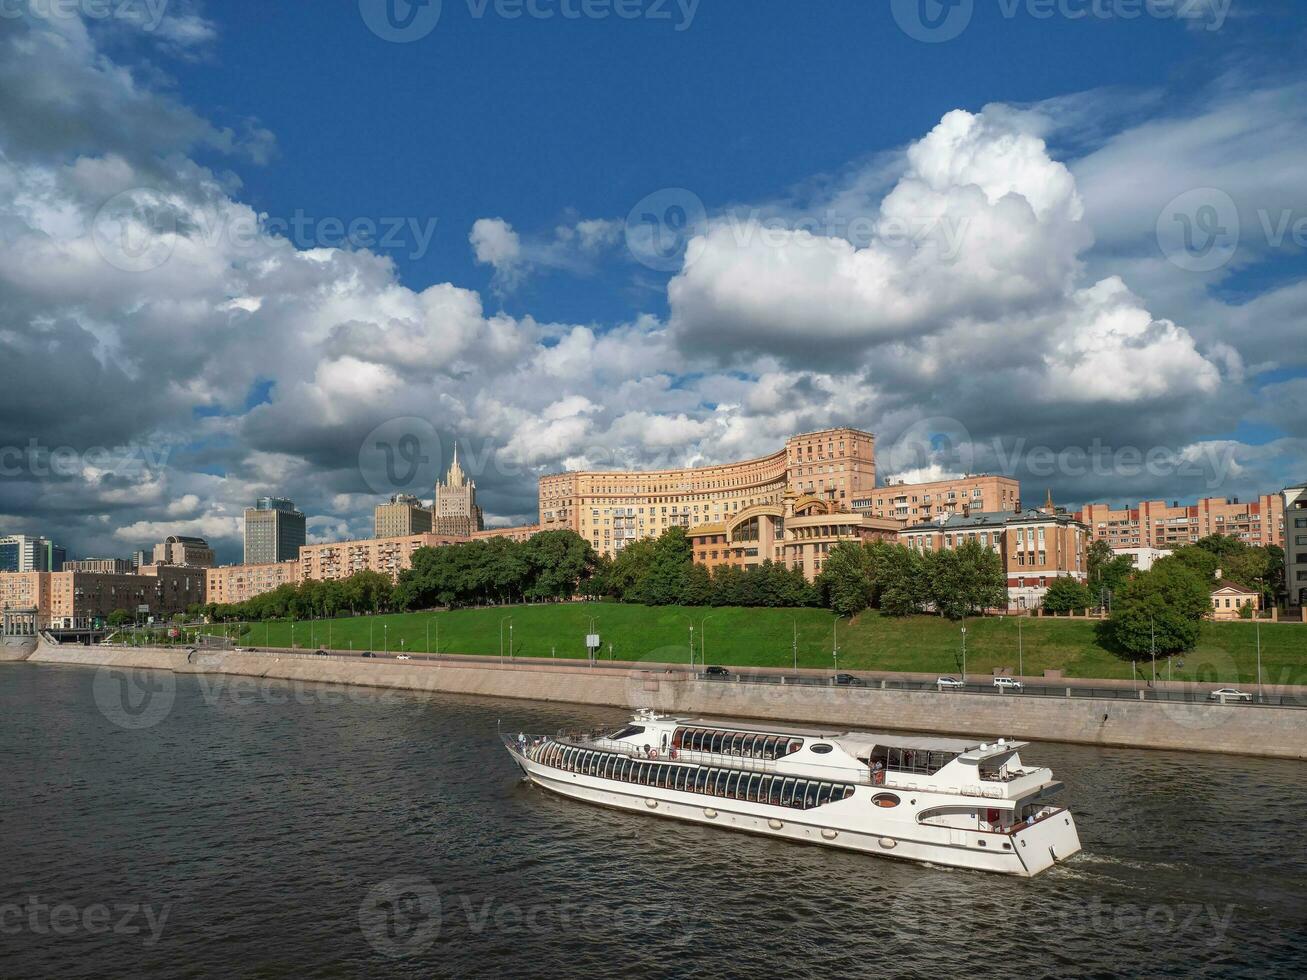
(1238, 729)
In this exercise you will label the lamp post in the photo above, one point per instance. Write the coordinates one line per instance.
(1021, 652)
(835, 643)
(510, 639)
(385, 637)
(703, 641)
(372, 635)
(796, 641)
(692, 643)
(1261, 695)
(964, 655)
(1152, 646)
(292, 634)
(506, 619)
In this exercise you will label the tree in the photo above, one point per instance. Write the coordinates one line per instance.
(698, 586)
(120, 617)
(1066, 594)
(845, 581)
(1221, 545)
(664, 578)
(966, 580)
(1106, 571)
(1203, 562)
(900, 585)
(1167, 604)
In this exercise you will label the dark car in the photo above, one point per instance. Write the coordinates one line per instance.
(849, 680)
(716, 672)
(320, 653)
(366, 653)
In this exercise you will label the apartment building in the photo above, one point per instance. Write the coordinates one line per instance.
(178, 549)
(1036, 546)
(912, 503)
(230, 584)
(1294, 500)
(81, 600)
(610, 509)
(1155, 524)
(390, 556)
(404, 515)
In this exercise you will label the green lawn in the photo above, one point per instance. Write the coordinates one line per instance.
(764, 637)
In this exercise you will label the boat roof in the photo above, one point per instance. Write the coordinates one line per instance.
(854, 742)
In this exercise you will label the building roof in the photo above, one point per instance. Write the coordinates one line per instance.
(701, 529)
(987, 519)
(1232, 587)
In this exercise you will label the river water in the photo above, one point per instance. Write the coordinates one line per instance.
(248, 828)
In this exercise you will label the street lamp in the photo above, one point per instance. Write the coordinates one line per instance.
(1021, 659)
(795, 619)
(703, 642)
(1261, 695)
(964, 655)
(506, 619)
(1152, 643)
(692, 643)
(835, 643)
(385, 637)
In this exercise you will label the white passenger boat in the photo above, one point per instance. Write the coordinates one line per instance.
(918, 798)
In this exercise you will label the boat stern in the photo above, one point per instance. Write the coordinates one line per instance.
(1048, 841)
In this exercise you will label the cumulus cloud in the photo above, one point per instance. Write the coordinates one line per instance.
(234, 363)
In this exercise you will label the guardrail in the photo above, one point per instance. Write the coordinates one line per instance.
(1028, 691)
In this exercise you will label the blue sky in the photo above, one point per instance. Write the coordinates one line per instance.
(1045, 167)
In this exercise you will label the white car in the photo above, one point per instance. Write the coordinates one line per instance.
(1230, 694)
(948, 683)
(1009, 684)
(402, 656)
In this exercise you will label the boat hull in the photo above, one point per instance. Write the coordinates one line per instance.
(852, 824)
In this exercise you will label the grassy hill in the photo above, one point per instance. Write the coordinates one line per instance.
(766, 637)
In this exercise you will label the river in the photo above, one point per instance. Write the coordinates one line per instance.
(236, 827)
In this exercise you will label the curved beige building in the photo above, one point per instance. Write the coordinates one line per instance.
(611, 509)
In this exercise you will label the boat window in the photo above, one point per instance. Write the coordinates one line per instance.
(627, 732)
(794, 746)
(810, 796)
(624, 770)
(823, 794)
(666, 776)
(747, 747)
(787, 792)
(696, 740)
(821, 748)
(678, 738)
(681, 776)
(774, 793)
(885, 800)
(715, 742)
(737, 744)
(700, 779)
(731, 783)
(751, 789)
(848, 791)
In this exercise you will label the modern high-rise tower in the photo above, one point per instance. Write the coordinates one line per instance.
(274, 531)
